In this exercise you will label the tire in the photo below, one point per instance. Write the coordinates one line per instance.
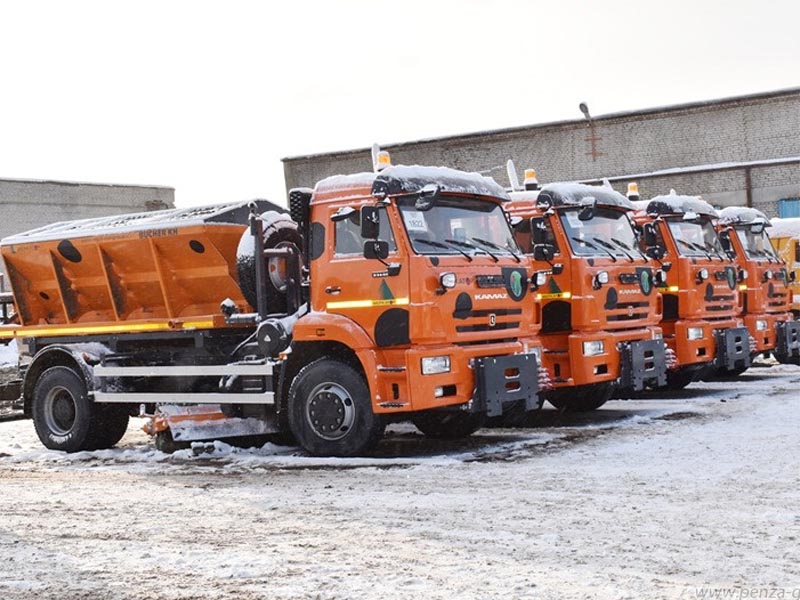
(64, 417)
(677, 380)
(165, 442)
(585, 400)
(447, 425)
(279, 231)
(112, 423)
(330, 410)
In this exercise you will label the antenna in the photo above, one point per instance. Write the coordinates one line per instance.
(512, 175)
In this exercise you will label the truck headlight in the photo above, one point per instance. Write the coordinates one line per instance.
(593, 348)
(600, 279)
(694, 333)
(447, 280)
(743, 274)
(432, 365)
(767, 275)
(702, 274)
(761, 325)
(540, 278)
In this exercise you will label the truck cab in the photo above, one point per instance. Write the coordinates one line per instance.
(417, 281)
(601, 306)
(765, 293)
(700, 288)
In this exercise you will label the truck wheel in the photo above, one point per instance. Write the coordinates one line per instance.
(112, 423)
(785, 359)
(167, 444)
(279, 231)
(64, 417)
(447, 425)
(677, 380)
(330, 410)
(590, 399)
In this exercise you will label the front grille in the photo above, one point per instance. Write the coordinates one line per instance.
(487, 327)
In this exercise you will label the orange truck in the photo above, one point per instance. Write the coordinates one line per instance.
(765, 293)
(785, 236)
(700, 288)
(388, 295)
(601, 308)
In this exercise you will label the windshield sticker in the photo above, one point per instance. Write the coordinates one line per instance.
(415, 220)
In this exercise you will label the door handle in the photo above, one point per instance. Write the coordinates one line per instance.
(333, 289)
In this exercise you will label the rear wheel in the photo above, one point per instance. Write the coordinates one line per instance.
(112, 423)
(447, 425)
(64, 417)
(330, 410)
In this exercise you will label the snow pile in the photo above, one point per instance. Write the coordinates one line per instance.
(9, 355)
(785, 228)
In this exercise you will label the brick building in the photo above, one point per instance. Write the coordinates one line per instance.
(733, 151)
(28, 204)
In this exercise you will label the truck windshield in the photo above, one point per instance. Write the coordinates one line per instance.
(608, 232)
(695, 238)
(756, 245)
(458, 225)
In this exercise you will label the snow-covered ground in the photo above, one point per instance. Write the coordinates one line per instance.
(670, 497)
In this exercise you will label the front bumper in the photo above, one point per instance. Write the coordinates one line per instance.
(504, 380)
(788, 340)
(643, 363)
(732, 348)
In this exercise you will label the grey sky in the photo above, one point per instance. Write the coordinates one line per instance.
(207, 97)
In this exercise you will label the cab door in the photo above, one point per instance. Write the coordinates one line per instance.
(361, 289)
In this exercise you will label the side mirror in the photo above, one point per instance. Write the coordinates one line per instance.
(427, 197)
(587, 211)
(650, 235)
(725, 241)
(656, 252)
(538, 230)
(370, 222)
(377, 249)
(543, 252)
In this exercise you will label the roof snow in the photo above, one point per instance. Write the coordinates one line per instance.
(741, 215)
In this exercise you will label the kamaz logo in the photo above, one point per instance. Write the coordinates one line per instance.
(491, 296)
(628, 291)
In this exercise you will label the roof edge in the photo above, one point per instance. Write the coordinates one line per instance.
(89, 183)
(562, 123)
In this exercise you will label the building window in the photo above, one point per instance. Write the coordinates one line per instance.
(789, 207)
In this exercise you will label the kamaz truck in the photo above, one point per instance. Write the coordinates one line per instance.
(700, 288)
(396, 294)
(600, 306)
(765, 293)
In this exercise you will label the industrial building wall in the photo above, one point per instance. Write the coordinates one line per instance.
(26, 204)
(745, 129)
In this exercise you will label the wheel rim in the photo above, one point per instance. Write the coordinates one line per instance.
(330, 411)
(276, 268)
(60, 410)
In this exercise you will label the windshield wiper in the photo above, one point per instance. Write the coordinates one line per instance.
(436, 244)
(606, 246)
(693, 246)
(497, 246)
(715, 251)
(624, 248)
(473, 246)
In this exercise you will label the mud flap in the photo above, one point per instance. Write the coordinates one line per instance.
(642, 363)
(788, 343)
(506, 379)
(733, 348)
